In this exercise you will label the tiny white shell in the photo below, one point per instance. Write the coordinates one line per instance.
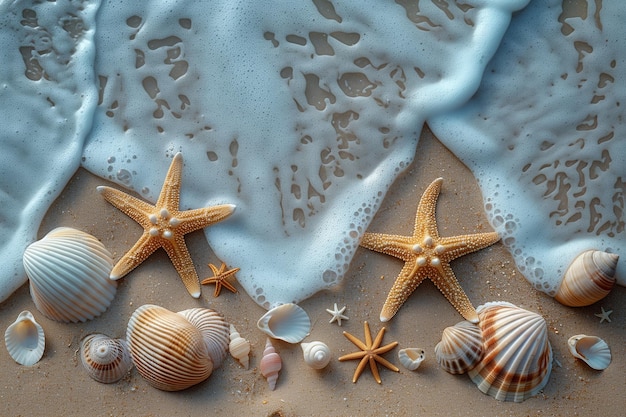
(239, 347)
(590, 349)
(270, 365)
(288, 322)
(316, 354)
(461, 347)
(411, 358)
(25, 339)
(68, 273)
(105, 359)
(588, 279)
(215, 331)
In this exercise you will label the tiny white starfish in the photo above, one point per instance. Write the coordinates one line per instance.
(337, 314)
(604, 315)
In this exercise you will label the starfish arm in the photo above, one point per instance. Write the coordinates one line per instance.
(228, 286)
(352, 356)
(355, 341)
(368, 334)
(384, 362)
(211, 280)
(136, 209)
(374, 369)
(385, 349)
(449, 286)
(359, 369)
(458, 246)
(409, 278)
(425, 224)
(192, 220)
(393, 245)
(179, 255)
(144, 247)
(170, 193)
(379, 339)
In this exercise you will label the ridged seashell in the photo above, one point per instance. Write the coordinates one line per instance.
(105, 359)
(461, 347)
(167, 350)
(288, 322)
(316, 354)
(215, 331)
(69, 275)
(25, 339)
(411, 358)
(590, 349)
(588, 279)
(517, 354)
(239, 347)
(271, 364)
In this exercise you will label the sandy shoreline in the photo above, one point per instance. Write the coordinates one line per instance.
(58, 386)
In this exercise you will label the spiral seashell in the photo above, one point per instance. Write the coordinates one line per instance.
(590, 349)
(288, 322)
(461, 347)
(316, 354)
(411, 358)
(271, 364)
(215, 331)
(588, 279)
(68, 272)
(105, 359)
(25, 339)
(239, 347)
(167, 350)
(517, 355)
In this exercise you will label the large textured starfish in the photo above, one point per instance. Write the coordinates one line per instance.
(220, 277)
(370, 353)
(164, 226)
(426, 254)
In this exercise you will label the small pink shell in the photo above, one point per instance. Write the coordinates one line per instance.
(271, 364)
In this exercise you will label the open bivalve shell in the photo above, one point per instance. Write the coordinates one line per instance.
(461, 347)
(167, 349)
(25, 339)
(411, 358)
(288, 322)
(517, 354)
(105, 359)
(68, 271)
(588, 279)
(590, 349)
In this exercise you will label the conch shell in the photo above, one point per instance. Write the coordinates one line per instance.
(170, 351)
(588, 279)
(239, 347)
(288, 322)
(461, 347)
(590, 349)
(316, 354)
(411, 358)
(271, 364)
(25, 339)
(105, 359)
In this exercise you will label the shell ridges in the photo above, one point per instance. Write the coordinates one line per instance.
(592, 350)
(288, 322)
(105, 359)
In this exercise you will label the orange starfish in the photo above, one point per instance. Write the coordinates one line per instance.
(164, 226)
(370, 352)
(219, 278)
(426, 255)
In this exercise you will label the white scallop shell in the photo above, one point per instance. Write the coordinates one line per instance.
(167, 350)
(288, 322)
(588, 279)
(215, 331)
(316, 354)
(105, 359)
(461, 347)
(239, 347)
(69, 275)
(517, 355)
(270, 365)
(590, 349)
(411, 358)
(25, 339)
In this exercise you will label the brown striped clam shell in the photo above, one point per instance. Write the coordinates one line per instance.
(461, 347)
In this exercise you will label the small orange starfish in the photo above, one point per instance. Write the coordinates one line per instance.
(219, 278)
(370, 352)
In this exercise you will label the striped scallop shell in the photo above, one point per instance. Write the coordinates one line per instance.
(461, 347)
(588, 279)
(288, 322)
(215, 331)
(25, 339)
(517, 355)
(105, 359)
(592, 350)
(167, 350)
(68, 272)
